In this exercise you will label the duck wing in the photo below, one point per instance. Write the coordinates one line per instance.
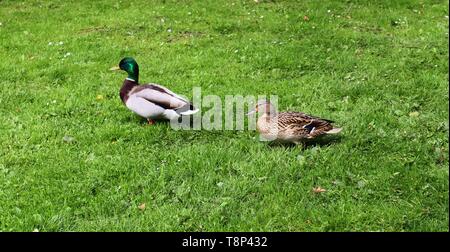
(303, 123)
(168, 91)
(160, 96)
(304, 117)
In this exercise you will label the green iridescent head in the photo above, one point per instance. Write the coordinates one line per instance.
(130, 66)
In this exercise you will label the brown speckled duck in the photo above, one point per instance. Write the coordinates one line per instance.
(150, 101)
(290, 126)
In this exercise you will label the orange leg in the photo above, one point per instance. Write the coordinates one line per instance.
(150, 121)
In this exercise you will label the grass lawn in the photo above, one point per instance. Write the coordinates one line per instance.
(73, 158)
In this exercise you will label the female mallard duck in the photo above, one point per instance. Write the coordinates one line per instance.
(290, 126)
(150, 101)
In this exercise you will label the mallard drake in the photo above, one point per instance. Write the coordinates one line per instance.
(150, 101)
(290, 126)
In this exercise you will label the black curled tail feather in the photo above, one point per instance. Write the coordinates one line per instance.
(185, 108)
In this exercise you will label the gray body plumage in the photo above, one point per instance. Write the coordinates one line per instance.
(154, 101)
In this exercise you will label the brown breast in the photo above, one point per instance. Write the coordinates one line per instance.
(126, 88)
(263, 124)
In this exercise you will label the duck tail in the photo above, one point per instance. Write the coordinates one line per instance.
(187, 109)
(334, 131)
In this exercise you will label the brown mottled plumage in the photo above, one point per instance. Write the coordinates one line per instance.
(290, 126)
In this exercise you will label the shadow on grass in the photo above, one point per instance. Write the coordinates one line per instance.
(142, 121)
(323, 141)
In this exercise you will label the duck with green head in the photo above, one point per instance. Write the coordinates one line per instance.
(150, 101)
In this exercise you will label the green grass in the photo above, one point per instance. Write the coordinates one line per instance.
(365, 64)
